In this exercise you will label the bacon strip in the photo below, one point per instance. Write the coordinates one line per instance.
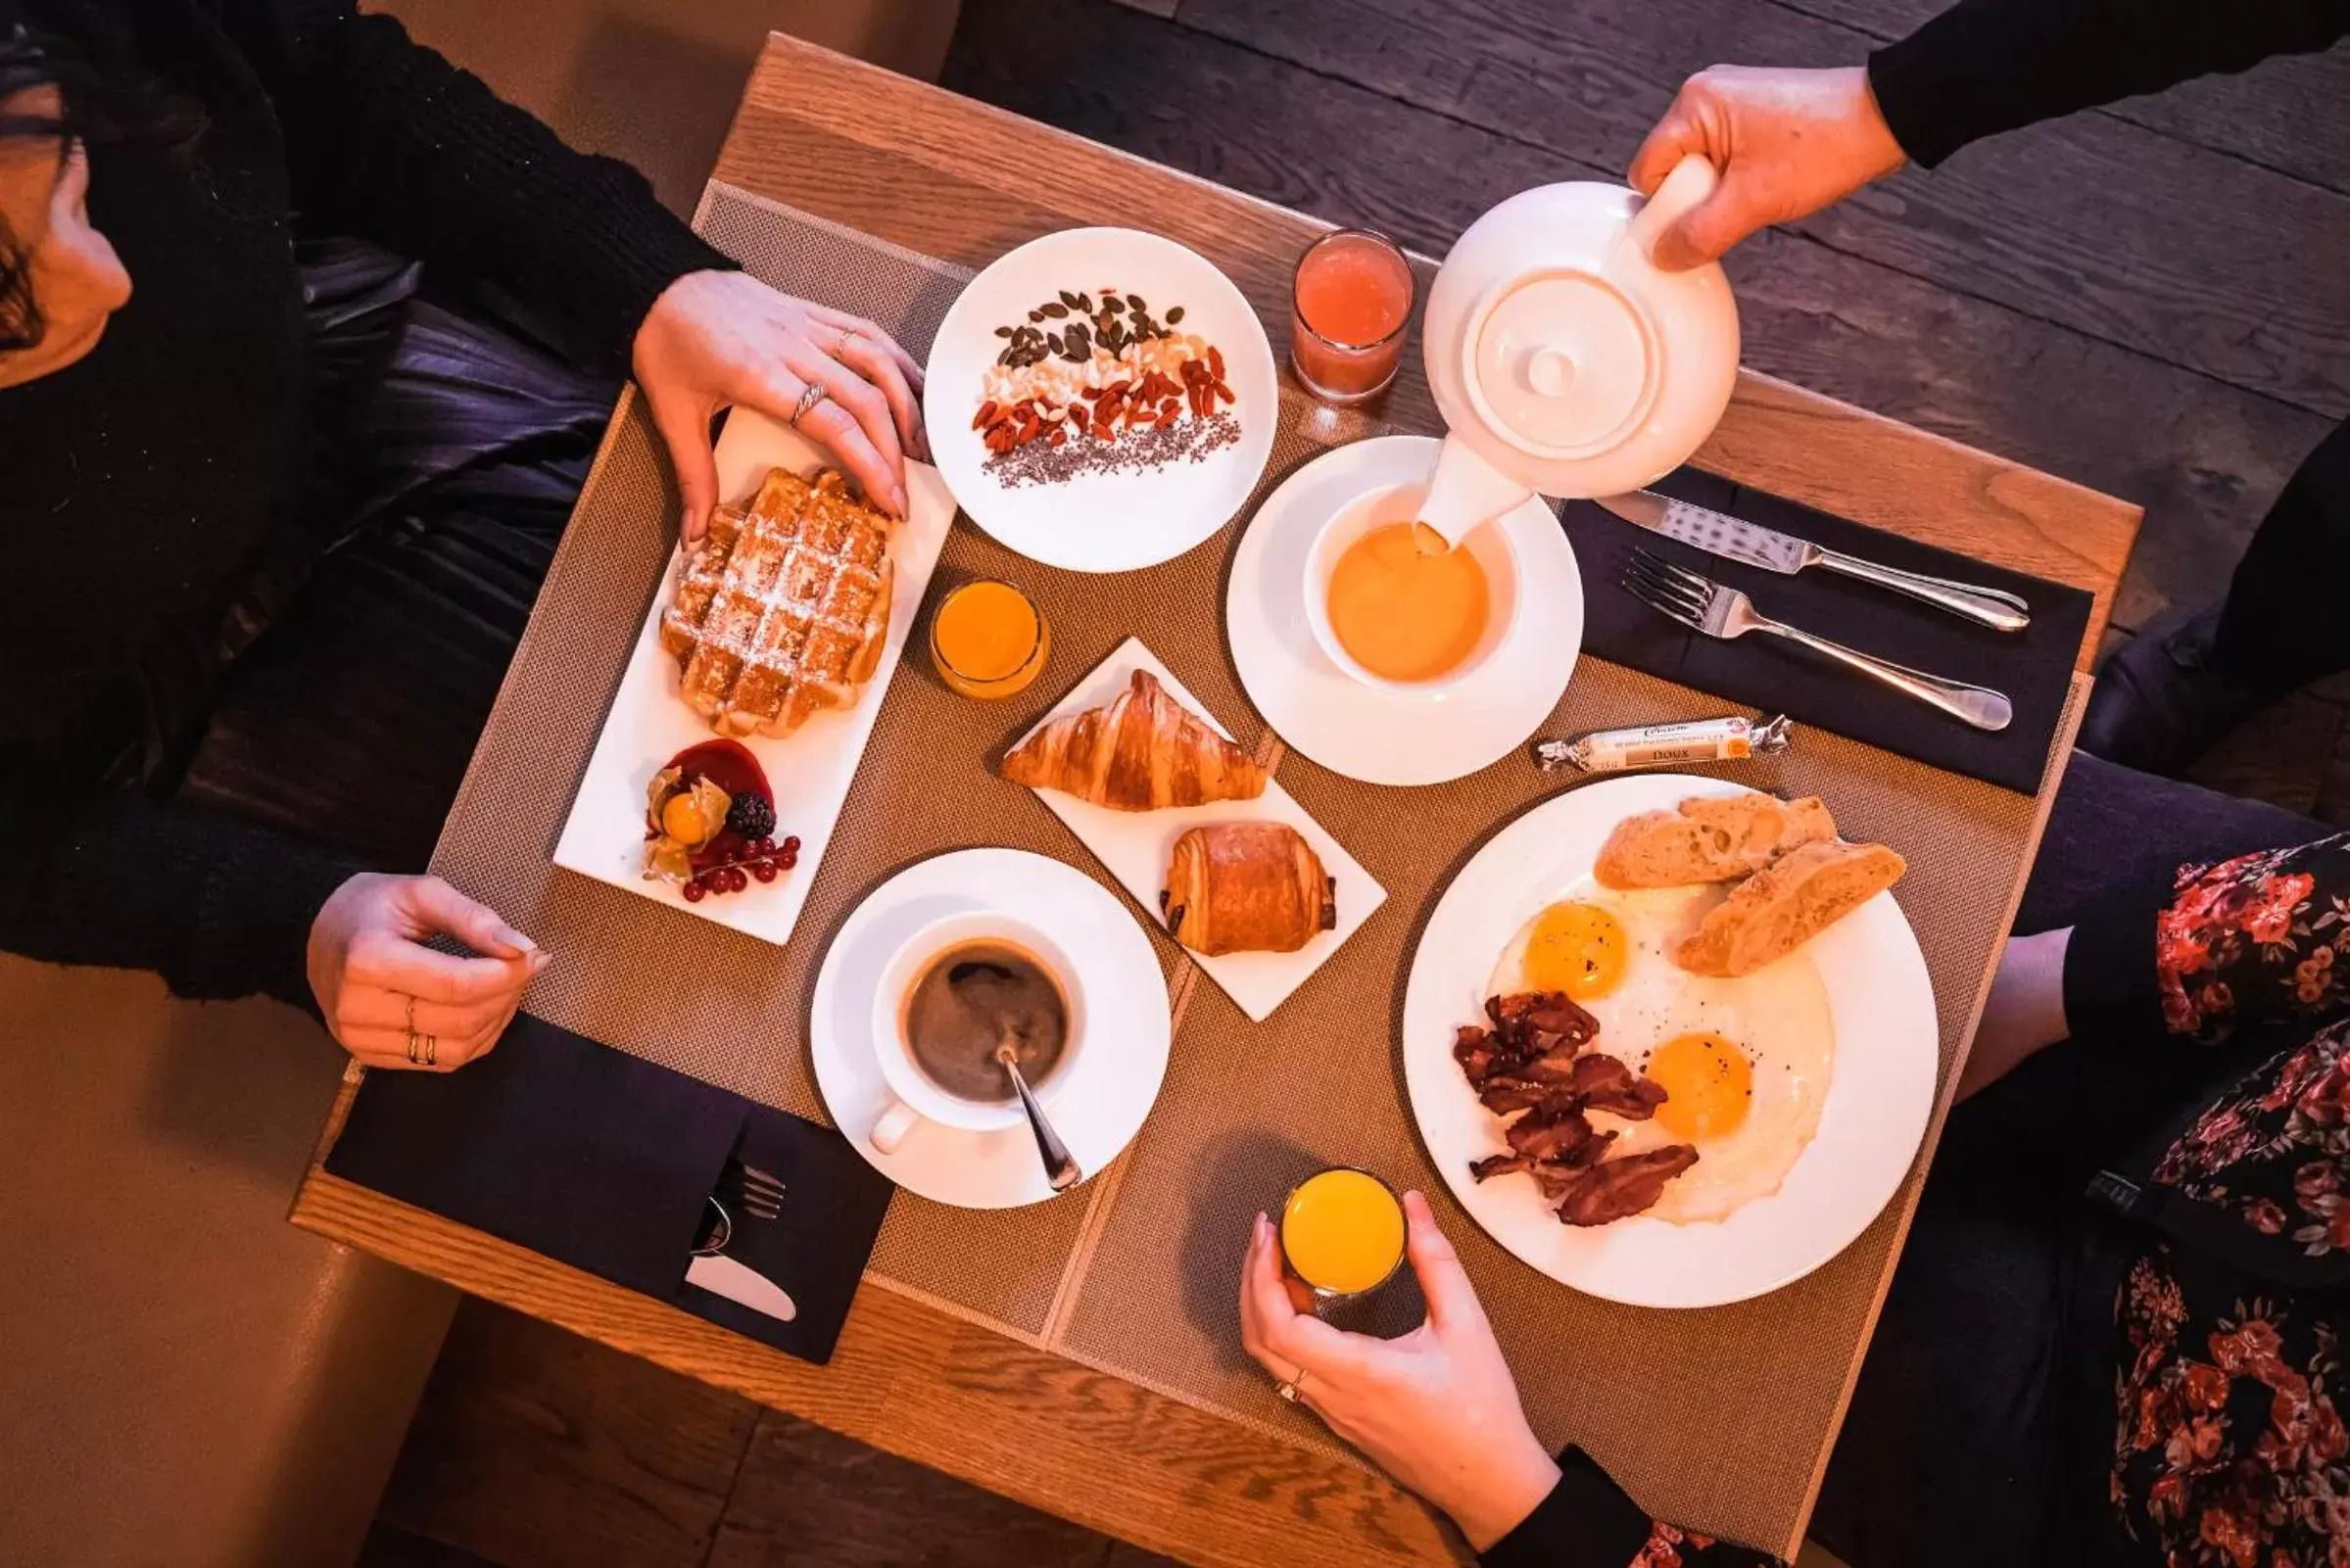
(1531, 1059)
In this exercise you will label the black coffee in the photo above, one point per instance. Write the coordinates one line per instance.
(970, 1000)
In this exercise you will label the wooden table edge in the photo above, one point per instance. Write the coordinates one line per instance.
(893, 1384)
(2093, 562)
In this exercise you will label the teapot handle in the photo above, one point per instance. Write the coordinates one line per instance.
(1692, 180)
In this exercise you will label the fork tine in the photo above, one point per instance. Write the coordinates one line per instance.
(1663, 600)
(754, 1176)
(1649, 580)
(1674, 572)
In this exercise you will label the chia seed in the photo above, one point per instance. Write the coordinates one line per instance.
(1189, 439)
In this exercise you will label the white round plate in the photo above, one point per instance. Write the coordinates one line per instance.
(1881, 1087)
(1101, 522)
(1099, 1106)
(1387, 737)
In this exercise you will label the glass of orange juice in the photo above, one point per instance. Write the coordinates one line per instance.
(988, 639)
(1342, 1232)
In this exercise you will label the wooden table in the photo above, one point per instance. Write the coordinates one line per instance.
(956, 180)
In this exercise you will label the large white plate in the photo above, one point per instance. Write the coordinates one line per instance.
(1097, 1107)
(810, 771)
(1134, 846)
(1101, 522)
(1879, 1096)
(1388, 737)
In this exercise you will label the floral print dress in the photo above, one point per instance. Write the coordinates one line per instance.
(2228, 1445)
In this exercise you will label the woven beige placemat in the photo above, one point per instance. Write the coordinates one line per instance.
(1717, 1418)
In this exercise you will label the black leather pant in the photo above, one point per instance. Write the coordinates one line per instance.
(352, 717)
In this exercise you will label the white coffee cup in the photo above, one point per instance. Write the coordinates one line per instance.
(1400, 503)
(912, 1095)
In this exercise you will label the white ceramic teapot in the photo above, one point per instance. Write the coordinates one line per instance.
(1562, 358)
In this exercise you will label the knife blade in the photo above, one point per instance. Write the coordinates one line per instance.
(740, 1284)
(1735, 539)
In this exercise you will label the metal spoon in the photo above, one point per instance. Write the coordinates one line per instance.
(1061, 1172)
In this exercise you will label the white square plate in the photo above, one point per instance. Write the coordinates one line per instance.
(1134, 846)
(810, 771)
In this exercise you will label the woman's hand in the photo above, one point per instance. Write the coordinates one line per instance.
(1786, 143)
(375, 980)
(715, 339)
(1438, 1407)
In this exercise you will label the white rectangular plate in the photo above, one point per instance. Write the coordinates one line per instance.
(1134, 846)
(810, 771)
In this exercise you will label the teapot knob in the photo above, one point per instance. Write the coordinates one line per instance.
(1550, 371)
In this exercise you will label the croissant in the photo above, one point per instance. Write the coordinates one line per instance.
(1247, 886)
(1144, 752)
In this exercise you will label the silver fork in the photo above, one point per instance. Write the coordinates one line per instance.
(750, 1189)
(1711, 607)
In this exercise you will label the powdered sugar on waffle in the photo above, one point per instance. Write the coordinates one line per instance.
(783, 611)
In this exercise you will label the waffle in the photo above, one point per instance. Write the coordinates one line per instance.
(784, 610)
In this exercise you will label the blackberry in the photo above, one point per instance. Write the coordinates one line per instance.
(751, 817)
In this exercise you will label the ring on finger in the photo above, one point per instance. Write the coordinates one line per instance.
(1288, 1387)
(415, 1046)
(848, 336)
(810, 396)
(432, 1052)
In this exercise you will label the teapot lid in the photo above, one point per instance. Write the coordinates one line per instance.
(1562, 362)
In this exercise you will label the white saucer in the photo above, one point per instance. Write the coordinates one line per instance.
(1097, 1108)
(1386, 737)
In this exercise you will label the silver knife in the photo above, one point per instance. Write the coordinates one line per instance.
(721, 1275)
(1736, 539)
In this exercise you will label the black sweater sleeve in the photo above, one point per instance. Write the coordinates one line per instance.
(1987, 65)
(1588, 1521)
(388, 141)
(219, 908)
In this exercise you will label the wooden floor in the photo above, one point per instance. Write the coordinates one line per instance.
(2151, 299)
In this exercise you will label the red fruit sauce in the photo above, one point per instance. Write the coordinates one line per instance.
(728, 765)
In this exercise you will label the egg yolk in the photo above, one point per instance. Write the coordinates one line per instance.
(1576, 948)
(1707, 1083)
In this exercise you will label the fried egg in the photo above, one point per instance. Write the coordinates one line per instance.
(1743, 1062)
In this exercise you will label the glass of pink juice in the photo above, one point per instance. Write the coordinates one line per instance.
(1350, 303)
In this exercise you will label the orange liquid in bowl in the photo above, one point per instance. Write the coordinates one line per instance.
(988, 639)
(1342, 1231)
(1404, 613)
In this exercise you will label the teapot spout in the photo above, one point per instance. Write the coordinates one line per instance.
(1466, 491)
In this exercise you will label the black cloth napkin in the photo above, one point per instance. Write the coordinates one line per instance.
(2033, 666)
(816, 1249)
(605, 1162)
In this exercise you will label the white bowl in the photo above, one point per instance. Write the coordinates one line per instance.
(1400, 503)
